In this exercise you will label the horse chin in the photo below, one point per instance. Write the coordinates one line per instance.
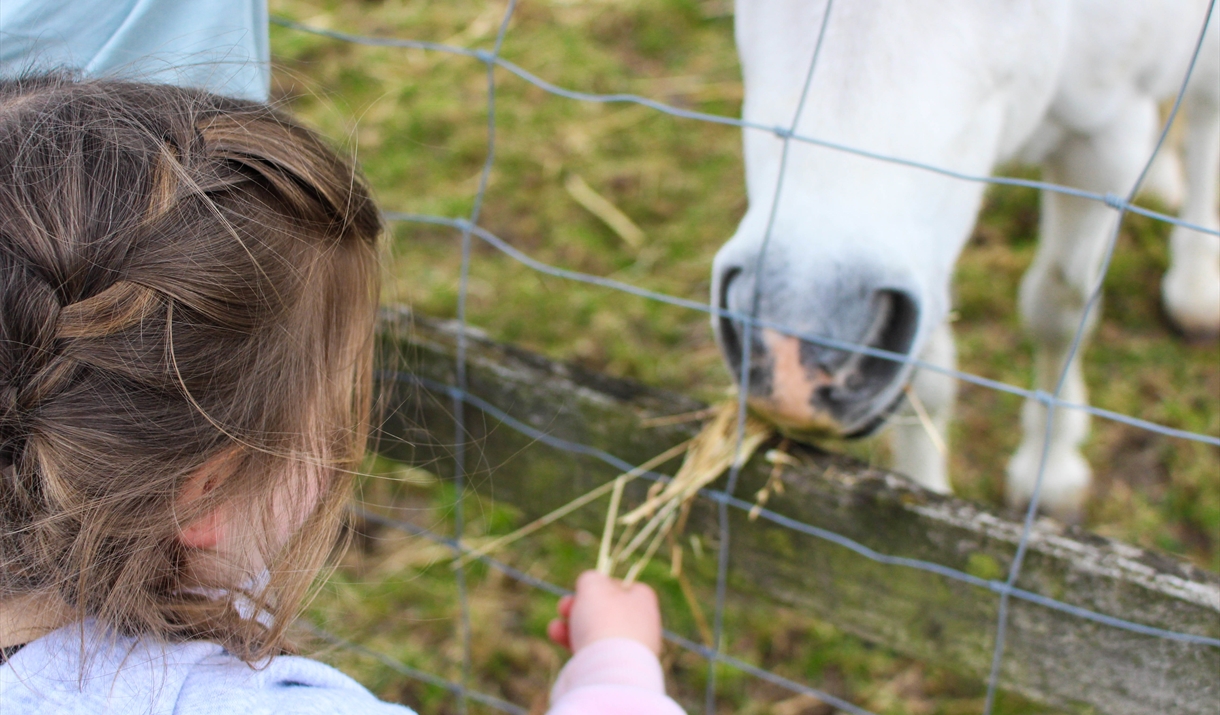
(806, 426)
(812, 426)
(874, 423)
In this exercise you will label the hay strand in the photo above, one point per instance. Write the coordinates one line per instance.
(925, 419)
(705, 629)
(711, 452)
(570, 507)
(662, 532)
(603, 551)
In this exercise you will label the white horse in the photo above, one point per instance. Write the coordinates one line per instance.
(862, 251)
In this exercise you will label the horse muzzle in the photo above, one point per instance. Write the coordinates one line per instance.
(809, 384)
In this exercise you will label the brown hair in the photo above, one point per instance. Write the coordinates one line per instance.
(185, 279)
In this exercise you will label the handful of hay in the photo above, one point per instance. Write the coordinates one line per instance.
(664, 512)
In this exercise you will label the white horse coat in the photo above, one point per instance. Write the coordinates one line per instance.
(862, 251)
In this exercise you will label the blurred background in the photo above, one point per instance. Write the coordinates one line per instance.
(416, 122)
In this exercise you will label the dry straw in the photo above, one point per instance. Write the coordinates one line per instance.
(664, 511)
(663, 514)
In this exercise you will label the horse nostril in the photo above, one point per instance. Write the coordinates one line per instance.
(729, 337)
(893, 330)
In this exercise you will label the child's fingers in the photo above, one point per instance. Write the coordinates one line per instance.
(605, 608)
(557, 630)
(598, 587)
(595, 582)
(565, 606)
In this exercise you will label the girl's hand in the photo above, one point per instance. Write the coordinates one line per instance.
(603, 608)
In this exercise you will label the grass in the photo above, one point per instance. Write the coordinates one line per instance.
(417, 122)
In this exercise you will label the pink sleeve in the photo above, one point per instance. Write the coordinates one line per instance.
(614, 676)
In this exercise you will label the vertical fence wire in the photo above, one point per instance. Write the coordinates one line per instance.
(747, 352)
(1005, 590)
(459, 405)
(1082, 328)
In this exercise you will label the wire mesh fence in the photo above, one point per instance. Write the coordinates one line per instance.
(469, 229)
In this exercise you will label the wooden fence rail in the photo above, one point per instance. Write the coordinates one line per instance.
(1052, 656)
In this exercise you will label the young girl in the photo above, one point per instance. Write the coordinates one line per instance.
(187, 293)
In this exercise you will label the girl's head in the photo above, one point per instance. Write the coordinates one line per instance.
(187, 290)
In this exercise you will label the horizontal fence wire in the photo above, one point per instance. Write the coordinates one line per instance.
(685, 643)
(1111, 200)
(1041, 396)
(719, 496)
(724, 498)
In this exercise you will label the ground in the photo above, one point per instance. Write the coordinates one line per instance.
(416, 121)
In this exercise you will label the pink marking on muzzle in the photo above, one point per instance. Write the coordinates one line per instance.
(793, 386)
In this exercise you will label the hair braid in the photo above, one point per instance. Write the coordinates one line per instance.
(182, 276)
(27, 347)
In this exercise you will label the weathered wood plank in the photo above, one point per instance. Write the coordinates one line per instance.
(1051, 656)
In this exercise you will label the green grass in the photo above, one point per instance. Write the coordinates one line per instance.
(417, 122)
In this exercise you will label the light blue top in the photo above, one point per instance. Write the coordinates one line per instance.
(129, 676)
(218, 45)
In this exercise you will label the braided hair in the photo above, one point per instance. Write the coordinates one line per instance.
(182, 276)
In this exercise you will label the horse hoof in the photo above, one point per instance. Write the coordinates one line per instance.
(1065, 485)
(1191, 302)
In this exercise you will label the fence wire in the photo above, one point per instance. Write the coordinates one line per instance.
(717, 496)
(747, 355)
(1094, 296)
(459, 412)
(469, 229)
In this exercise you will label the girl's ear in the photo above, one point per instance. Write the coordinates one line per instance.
(209, 530)
(205, 532)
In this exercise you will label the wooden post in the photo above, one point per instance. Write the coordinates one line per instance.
(1051, 656)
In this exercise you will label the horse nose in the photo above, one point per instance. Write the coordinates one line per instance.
(809, 385)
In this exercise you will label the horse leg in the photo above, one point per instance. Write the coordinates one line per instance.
(1165, 179)
(1191, 287)
(917, 453)
(1074, 235)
